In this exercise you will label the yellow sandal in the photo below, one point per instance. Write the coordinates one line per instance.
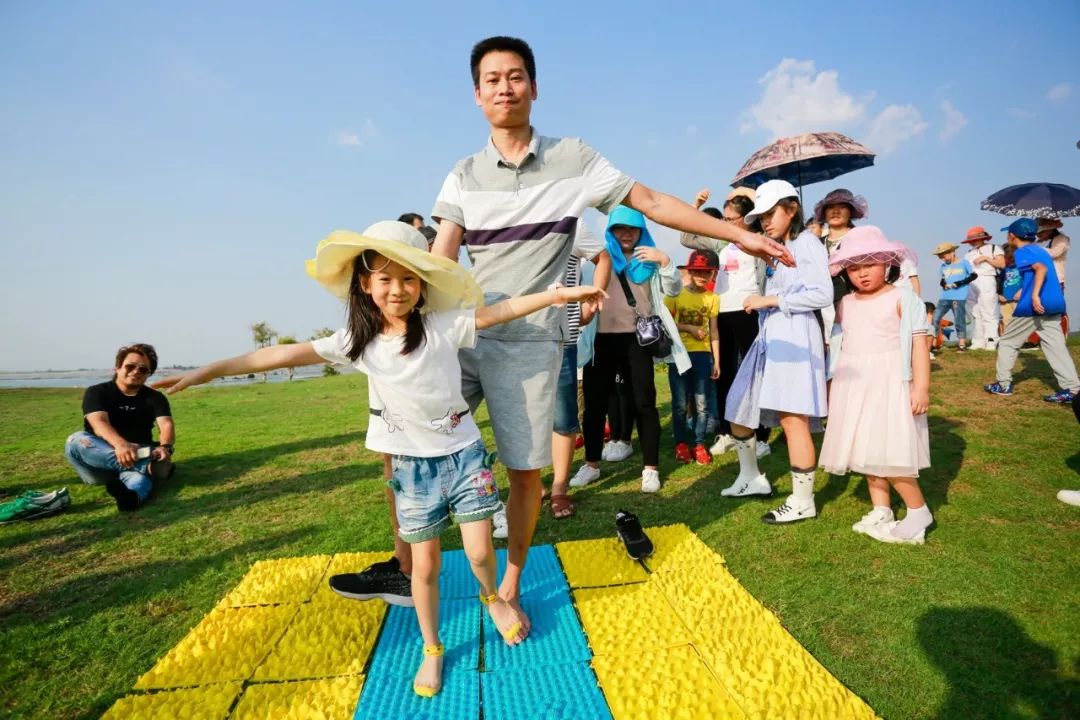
(509, 633)
(424, 690)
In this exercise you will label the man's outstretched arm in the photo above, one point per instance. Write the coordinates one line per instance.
(672, 212)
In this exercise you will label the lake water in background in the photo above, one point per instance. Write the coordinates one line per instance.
(86, 378)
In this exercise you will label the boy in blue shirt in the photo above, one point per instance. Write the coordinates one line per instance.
(956, 275)
(1039, 309)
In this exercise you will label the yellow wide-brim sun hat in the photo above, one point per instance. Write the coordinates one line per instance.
(449, 286)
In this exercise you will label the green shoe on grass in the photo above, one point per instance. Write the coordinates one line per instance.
(34, 504)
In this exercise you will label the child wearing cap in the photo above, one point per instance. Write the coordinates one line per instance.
(956, 275)
(695, 309)
(1039, 309)
(985, 259)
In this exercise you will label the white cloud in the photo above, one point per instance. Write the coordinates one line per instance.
(954, 121)
(893, 126)
(1058, 92)
(355, 139)
(1020, 113)
(348, 139)
(797, 99)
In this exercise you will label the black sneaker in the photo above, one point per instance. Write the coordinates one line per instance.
(382, 580)
(628, 528)
(127, 499)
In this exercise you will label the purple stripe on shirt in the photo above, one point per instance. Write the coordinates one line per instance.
(532, 231)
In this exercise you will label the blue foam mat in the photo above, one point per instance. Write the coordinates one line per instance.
(391, 696)
(566, 692)
(400, 647)
(556, 637)
(543, 573)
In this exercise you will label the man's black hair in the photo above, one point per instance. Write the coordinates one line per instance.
(501, 43)
(410, 218)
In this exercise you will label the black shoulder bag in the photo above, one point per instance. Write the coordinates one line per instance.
(650, 331)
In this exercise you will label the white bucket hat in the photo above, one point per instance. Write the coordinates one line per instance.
(767, 195)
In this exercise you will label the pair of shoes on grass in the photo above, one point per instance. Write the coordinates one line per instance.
(700, 455)
(1061, 397)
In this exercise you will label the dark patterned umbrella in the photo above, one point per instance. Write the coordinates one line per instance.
(804, 160)
(1035, 200)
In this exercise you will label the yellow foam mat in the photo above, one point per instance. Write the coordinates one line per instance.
(226, 645)
(271, 582)
(763, 667)
(667, 683)
(594, 563)
(676, 546)
(327, 699)
(628, 618)
(344, 563)
(325, 639)
(209, 702)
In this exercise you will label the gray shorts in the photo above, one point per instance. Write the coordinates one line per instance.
(518, 381)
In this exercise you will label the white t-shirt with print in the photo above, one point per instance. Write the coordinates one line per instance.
(416, 403)
(737, 279)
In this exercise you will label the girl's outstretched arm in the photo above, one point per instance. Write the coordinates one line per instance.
(512, 309)
(262, 360)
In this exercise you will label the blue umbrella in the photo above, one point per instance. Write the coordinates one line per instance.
(1035, 200)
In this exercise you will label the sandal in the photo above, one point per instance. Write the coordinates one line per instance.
(510, 633)
(562, 507)
(628, 527)
(424, 690)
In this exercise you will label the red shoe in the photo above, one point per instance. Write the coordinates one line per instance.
(701, 454)
(682, 453)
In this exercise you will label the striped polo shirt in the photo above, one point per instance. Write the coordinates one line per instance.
(520, 220)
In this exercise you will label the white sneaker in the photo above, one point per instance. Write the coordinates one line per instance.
(723, 444)
(763, 449)
(883, 533)
(499, 529)
(605, 454)
(793, 510)
(743, 488)
(1069, 497)
(619, 451)
(872, 518)
(585, 475)
(650, 481)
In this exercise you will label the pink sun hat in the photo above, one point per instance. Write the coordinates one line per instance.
(866, 244)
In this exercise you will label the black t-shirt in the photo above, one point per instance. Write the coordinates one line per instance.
(132, 416)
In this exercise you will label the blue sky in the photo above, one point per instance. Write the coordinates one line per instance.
(165, 169)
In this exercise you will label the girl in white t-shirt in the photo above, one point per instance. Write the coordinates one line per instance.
(408, 315)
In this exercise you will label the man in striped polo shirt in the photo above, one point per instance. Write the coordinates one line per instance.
(515, 205)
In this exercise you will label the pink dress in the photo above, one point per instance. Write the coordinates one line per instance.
(871, 428)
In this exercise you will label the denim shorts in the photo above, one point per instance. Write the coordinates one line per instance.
(427, 490)
(566, 402)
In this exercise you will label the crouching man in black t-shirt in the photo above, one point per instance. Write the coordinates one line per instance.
(116, 447)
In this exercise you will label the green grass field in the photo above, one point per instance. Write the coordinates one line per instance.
(981, 622)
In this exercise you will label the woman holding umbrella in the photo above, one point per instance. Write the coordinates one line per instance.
(835, 213)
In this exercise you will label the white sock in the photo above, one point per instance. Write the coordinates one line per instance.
(802, 485)
(916, 520)
(747, 452)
